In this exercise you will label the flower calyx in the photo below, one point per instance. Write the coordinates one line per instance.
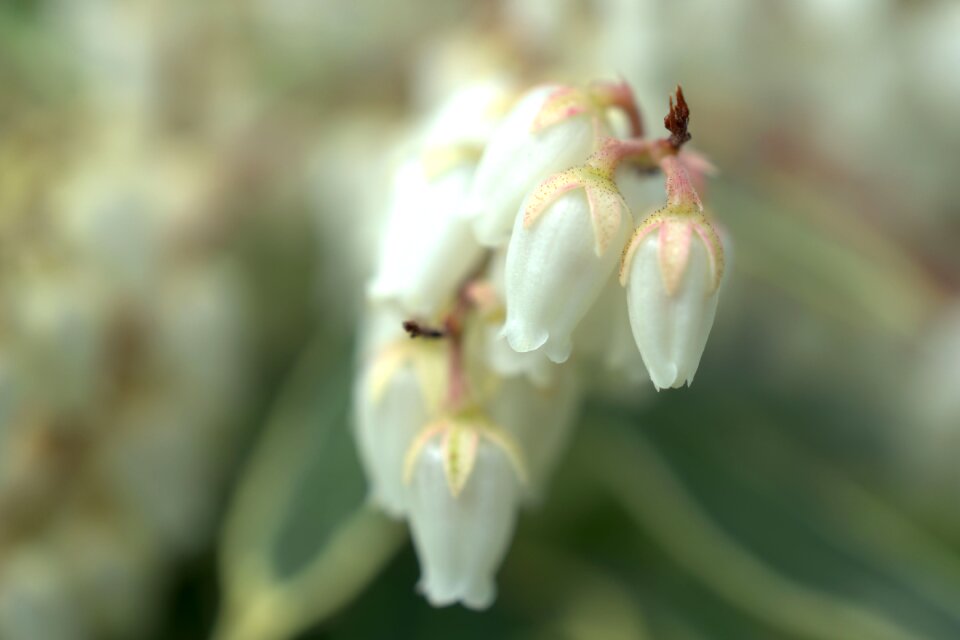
(603, 197)
(568, 102)
(676, 232)
(428, 361)
(460, 436)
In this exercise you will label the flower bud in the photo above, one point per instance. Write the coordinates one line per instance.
(395, 396)
(550, 129)
(463, 492)
(672, 270)
(564, 248)
(427, 249)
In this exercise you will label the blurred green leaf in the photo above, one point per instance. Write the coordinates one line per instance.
(814, 582)
(299, 541)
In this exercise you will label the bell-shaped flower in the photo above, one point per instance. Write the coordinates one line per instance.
(504, 361)
(468, 117)
(427, 249)
(565, 246)
(465, 479)
(605, 338)
(396, 395)
(488, 298)
(541, 418)
(550, 129)
(672, 270)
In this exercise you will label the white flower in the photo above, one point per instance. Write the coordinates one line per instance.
(465, 484)
(605, 336)
(395, 397)
(536, 139)
(563, 250)
(469, 116)
(504, 361)
(541, 419)
(672, 270)
(500, 357)
(427, 249)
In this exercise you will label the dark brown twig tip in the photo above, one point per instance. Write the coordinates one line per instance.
(417, 330)
(677, 120)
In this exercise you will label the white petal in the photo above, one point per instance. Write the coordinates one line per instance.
(503, 360)
(385, 427)
(380, 325)
(670, 331)
(462, 541)
(469, 116)
(553, 276)
(516, 160)
(605, 336)
(541, 419)
(427, 249)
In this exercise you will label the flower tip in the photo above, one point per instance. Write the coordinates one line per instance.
(559, 352)
(477, 597)
(523, 341)
(481, 600)
(666, 376)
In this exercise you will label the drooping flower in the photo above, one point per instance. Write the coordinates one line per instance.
(552, 128)
(605, 338)
(564, 248)
(672, 270)
(465, 480)
(427, 248)
(499, 356)
(395, 396)
(541, 418)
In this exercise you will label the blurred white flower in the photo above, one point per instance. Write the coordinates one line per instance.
(605, 336)
(394, 397)
(541, 419)
(427, 249)
(537, 138)
(504, 361)
(500, 356)
(470, 116)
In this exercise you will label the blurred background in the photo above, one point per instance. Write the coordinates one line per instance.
(189, 196)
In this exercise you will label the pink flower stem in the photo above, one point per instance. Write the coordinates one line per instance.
(457, 382)
(644, 153)
(618, 94)
(680, 191)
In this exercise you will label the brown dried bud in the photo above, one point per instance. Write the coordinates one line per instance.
(417, 330)
(677, 120)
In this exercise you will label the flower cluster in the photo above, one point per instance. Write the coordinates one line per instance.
(499, 257)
